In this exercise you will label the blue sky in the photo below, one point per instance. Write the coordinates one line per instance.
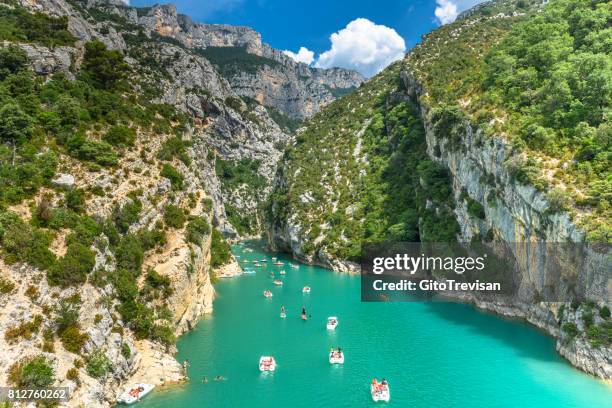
(369, 44)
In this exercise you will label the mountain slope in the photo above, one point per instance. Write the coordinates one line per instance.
(495, 168)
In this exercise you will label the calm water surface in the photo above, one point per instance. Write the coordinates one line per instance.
(433, 354)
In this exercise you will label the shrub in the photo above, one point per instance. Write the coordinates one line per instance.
(120, 136)
(197, 229)
(475, 209)
(24, 330)
(98, 364)
(73, 339)
(73, 267)
(6, 286)
(102, 67)
(174, 216)
(12, 60)
(174, 147)
(125, 216)
(220, 251)
(23, 243)
(33, 372)
(72, 374)
(129, 254)
(75, 200)
(172, 174)
(570, 330)
(604, 312)
(149, 239)
(15, 124)
(67, 314)
(126, 352)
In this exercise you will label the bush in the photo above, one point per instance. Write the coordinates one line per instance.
(24, 330)
(174, 216)
(220, 251)
(150, 239)
(174, 147)
(125, 216)
(103, 68)
(33, 372)
(475, 209)
(12, 60)
(197, 229)
(23, 243)
(72, 374)
(73, 339)
(119, 135)
(130, 254)
(72, 268)
(126, 352)
(67, 314)
(172, 174)
(6, 286)
(98, 364)
(75, 200)
(604, 312)
(570, 330)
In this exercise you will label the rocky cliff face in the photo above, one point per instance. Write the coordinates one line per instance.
(518, 213)
(281, 83)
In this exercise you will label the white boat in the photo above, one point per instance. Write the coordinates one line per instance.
(336, 357)
(283, 315)
(135, 393)
(306, 289)
(332, 322)
(294, 266)
(278, 263)
(263, 260)
(248, 271)
(267, 364)
(274, 258)
(379, 391)
(267, 294)
(282, 272)
(277, 282)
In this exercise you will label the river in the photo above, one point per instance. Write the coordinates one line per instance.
(433, 354)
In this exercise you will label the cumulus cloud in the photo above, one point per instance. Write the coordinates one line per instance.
(303, 55)
(446, 11)
(363, 46)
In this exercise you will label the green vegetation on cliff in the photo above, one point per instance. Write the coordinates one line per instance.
(359, 173)
(542, 78)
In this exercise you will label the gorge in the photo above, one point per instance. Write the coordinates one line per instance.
(136, 143)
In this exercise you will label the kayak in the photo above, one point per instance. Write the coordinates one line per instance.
(135, 393)
(306, 289)
(267, 364)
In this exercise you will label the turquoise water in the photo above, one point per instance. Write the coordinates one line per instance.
(433, 354)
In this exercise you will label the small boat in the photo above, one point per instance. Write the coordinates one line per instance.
(277, 282)
(332, 323)
(274, 258)
(282, 272)
(306, 289)
(263, 260)
(135, 393)
(294, 266)
(267, 294)
(380, 390)
(256, 264)
(267, 364)
(336, 356)
(304, 317)
(248, 271)
(283, 315)
(278, 263)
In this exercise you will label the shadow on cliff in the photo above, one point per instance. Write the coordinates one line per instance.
(527, 340)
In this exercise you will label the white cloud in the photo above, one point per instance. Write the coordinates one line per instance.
(363, 46)
(446, 11)
(303, 55)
